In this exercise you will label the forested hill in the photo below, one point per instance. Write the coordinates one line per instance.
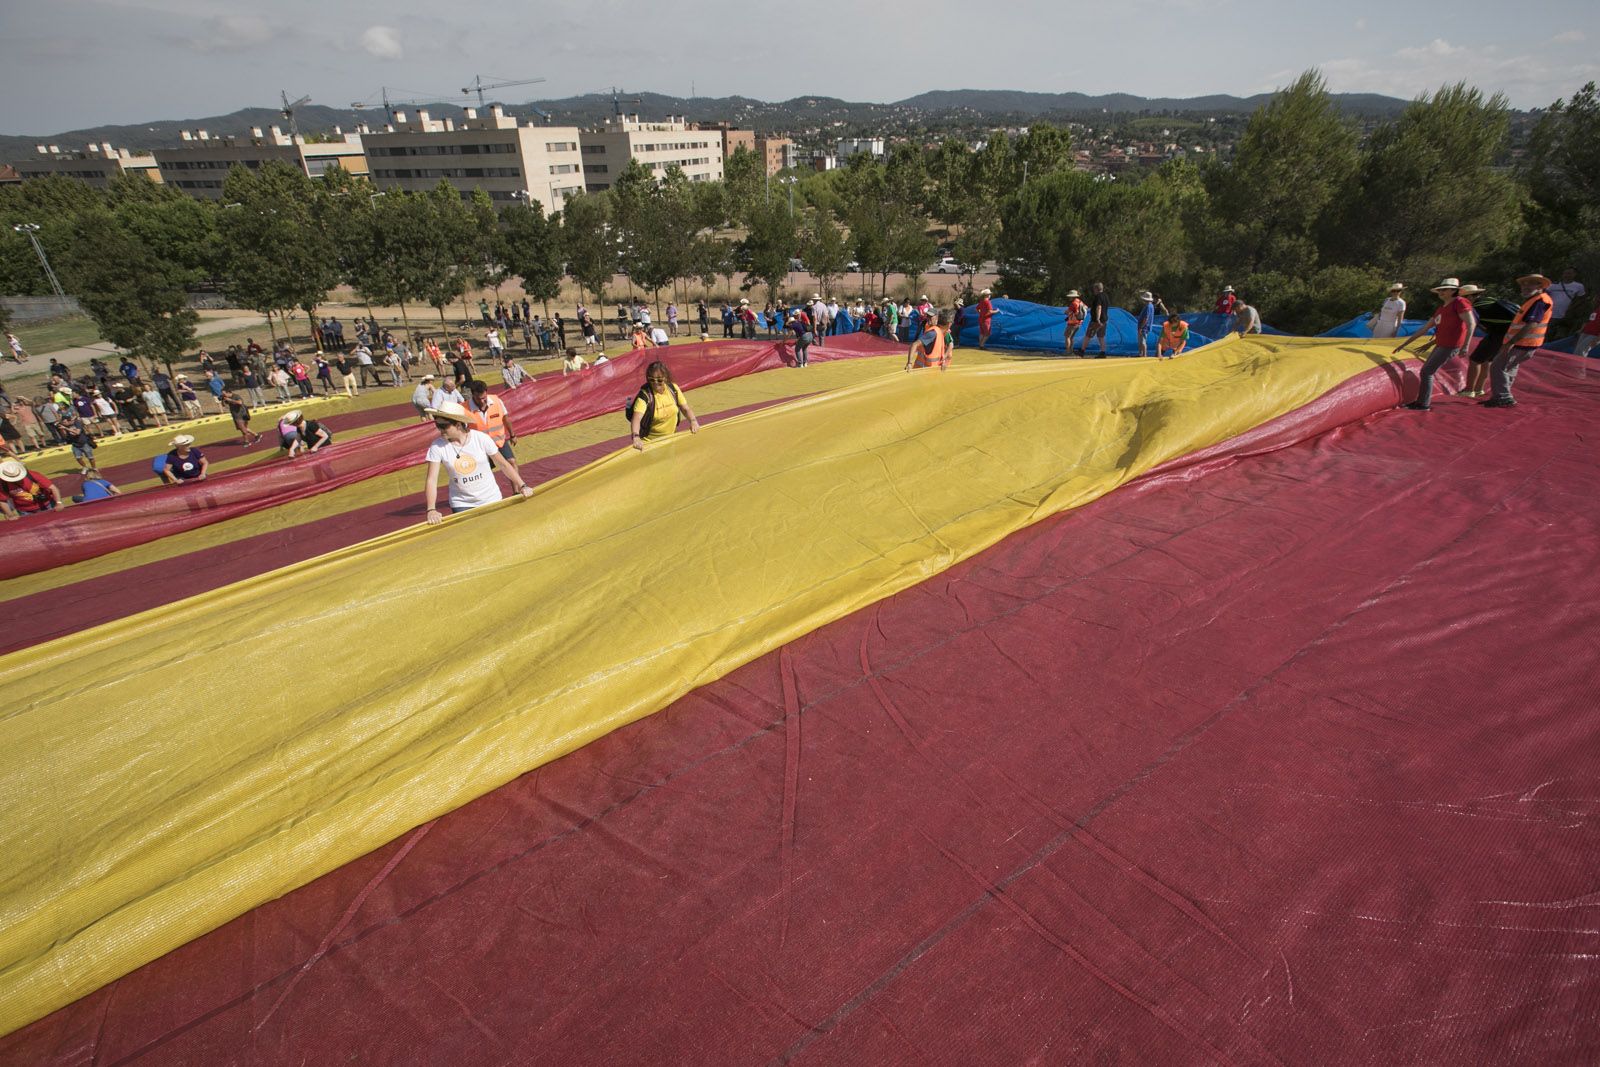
(952, 108)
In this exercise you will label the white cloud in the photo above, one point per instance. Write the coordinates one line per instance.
(1568, 37)
(1527, 80)
(230, 33)
(382, 42)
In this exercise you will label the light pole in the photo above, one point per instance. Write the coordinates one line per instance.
(32, 230)
(790, 181)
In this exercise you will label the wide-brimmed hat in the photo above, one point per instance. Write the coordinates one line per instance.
(450, 410)
(1537, 279)
(985, 292)
(1147, 295)
(12, 471)
(1469, 290)
(294, 416)
(1448, 283)
(1227, 288)
(638, 326)
(183, 439)
(744, 301)
(427, 377)
(923, 298)
(1072, 293)
(816, 296)
(1397, 286)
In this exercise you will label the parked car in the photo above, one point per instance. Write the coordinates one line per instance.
(796, 265)
(948, 265)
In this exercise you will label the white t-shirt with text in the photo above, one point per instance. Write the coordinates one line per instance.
(472, 482)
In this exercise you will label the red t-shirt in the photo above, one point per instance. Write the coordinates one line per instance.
(985, 310)
(29, 495)
(1452, 329)
(1592, 327)
(1226, 303)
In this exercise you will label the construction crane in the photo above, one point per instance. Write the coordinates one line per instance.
(480, 86)
(389, 105)
(617, 101)
(289, 110)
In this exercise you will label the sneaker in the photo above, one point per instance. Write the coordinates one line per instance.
(1499, 402)
(1417, 405)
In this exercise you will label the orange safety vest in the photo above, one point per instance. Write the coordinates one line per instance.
(1174, 337)
(641, 341)
(1533, 336)
(1075, 310)
(491, 421)
(938, 356)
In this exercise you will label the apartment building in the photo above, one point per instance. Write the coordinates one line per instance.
(657, 145)
(778, 153)
(200, 162)
(97, 164)
(856, 146)
(492, 152)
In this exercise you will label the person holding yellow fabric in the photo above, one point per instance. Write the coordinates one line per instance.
(932, 348)
(655, 412)
(1174, 337)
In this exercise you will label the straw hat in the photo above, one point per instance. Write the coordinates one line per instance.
(427, 377)
(450, 410)
(744, 301)
(1448, 283)
(1396, 287)
(985, 292)
(12, 471)
(1535, 279)
(183, 439)
(1072, 293)
(293, 416)
(1227, 288)
(1147, 295)
(923, 298)
(1469, 290)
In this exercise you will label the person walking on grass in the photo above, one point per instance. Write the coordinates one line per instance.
(1453, 326)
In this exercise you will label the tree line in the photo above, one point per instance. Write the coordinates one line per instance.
(1310, 220)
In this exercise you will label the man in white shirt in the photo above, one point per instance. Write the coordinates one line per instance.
(1564, 292)
(1386, 323)
(820, 320)
(659, 336)
(833, 314)
(643, 316)
(496, 346)
(1246, 319)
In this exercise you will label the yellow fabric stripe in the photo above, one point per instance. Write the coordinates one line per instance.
(182, 780)
(722, 396)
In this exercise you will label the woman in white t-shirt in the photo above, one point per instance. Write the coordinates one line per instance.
(1386, 323)
(471, 458)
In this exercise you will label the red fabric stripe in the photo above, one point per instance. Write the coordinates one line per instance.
(1287, 763)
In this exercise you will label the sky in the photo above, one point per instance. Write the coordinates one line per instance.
(70, 64)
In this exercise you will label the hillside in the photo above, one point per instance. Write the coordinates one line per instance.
(945, 107)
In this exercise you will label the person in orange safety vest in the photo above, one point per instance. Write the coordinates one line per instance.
(489, 416)
(1174, 337)
(1526, 334)
(932, 349)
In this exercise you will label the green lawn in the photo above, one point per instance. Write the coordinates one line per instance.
(71, 332)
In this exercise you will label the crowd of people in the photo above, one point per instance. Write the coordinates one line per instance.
(476, 431)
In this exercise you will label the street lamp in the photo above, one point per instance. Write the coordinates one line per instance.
(791, 181)
(32, 230)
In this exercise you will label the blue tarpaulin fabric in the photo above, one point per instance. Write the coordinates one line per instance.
(1360, 326)
(1030, 327)
(1214, 324)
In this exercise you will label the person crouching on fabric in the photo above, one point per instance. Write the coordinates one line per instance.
(302, 435)
(95, 487)
(657, 409)
(471, 459)
(932, 348)
(24, 492)
(1174, 337)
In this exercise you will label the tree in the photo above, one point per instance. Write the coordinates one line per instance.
(533, 250)
(442, 227)
(826, 250)
(274, 256)
(53, 204)
(1431, 199)
(1562, 172)
(744, 178)
(135, 296)
(590, 247)
(486, 260)
(773, 240)
(910, 249)
(1296, 157)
